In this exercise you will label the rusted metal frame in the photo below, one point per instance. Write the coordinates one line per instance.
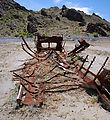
(31, 95)
(101, 69)
(74, 50)
(83, 45)
(88, 67)
(64, 53)
(64, 68)
(63, 60)
(39, 59)
(99, 90)
(41, 55)
(28, 52)
(49, 78)
(83, 63)
(32, 92)
(21, 78)
(19, 96)
(103, 97)
(50, 70)
(60, 58)
(50, 88)
(29, 99)
(81, 49)
(58, 74)
(78, 58)
(28, 45)
(49, 40)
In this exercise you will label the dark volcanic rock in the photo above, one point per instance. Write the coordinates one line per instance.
(43, 12)
(95, 28)
(64, 8)
(82, 23)
(57, 18)
(12, 25)
(72, 14)
(10, 4)
(31, 28)
(32, 19)
(17, 16)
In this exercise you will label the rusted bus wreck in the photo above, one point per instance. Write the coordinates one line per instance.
(52, 69)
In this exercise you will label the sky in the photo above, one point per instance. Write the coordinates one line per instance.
(99, 7)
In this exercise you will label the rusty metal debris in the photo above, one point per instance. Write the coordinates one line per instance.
(53, 69)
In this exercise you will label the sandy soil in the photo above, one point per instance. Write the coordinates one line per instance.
(79, 104)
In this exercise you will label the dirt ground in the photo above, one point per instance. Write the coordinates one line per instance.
(78, 104)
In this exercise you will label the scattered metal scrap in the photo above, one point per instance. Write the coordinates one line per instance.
(55, 70)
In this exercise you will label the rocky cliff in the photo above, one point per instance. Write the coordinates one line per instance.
(16, 20)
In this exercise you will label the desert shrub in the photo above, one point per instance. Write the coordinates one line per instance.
(46, 35)
(22, 34)
(8, 32)
(75, 32)
(95, 34)
(30, 35)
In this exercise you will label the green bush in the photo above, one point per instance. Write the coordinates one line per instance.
(75, 32)
(30, 35)
(22, 34)
(46, 35)
(7, 19)
(8, 33)
(95, 34)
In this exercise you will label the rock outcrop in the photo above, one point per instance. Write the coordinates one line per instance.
(91, 28)
(10, 4)
(72, 14)
(16, 19)
(31, 28)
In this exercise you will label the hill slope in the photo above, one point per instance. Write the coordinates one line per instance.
(16, 20)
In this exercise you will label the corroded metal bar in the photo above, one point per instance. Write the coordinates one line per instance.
(88, 67)
(83, 63)
(101, 68)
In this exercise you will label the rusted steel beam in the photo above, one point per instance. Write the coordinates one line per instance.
(83, 45)
(28, 45)
(89, 67)
(101, 68)
(83, 63)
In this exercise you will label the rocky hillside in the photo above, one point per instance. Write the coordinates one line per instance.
(16, 20)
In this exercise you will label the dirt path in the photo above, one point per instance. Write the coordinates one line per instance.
(79, 104)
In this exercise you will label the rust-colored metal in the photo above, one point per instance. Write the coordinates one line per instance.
(83, 45)
(54, 39)
(56, 62)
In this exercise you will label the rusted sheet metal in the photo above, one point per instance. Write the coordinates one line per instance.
(54, 39)
(33, 81)
(83, 45)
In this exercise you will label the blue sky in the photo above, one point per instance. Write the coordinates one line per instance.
(100, 7)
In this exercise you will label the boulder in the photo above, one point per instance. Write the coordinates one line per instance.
(91, 28)
(43, 12)
(82, 23)
(57, 18)
(73, 15)
(31, 28)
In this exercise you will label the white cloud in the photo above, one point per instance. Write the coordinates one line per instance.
(84, 9)
(77, 7)
(57, 1)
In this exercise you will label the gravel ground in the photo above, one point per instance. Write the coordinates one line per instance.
(79, 104)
